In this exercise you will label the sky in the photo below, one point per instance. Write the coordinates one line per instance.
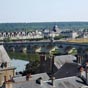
(43, 10)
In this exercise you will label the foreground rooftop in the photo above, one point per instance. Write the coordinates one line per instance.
(69, 82)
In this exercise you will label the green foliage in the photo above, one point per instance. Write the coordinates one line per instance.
(34, 60)
(59, 37)
(16, 55)
(45, 37)
(55, 52)
(34, 63)
(33, 57)
(32, 67)
(7, 39)
(37, 39)
(73, 51)
(24, 56)
(42, 25)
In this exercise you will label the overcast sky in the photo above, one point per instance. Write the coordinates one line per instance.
(43, 10)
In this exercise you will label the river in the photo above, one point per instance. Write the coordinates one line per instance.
(19, 64)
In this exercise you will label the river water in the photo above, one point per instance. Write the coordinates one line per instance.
(19, 64)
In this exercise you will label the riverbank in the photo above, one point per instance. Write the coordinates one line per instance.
(23, 56)
(80, 40)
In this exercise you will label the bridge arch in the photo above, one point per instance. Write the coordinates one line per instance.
(70, 50)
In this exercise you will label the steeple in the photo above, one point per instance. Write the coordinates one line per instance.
(56, 29)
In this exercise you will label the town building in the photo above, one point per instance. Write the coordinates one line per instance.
(55, 31)
(39, 82)
(69, 34)
(68, 73)
(7, 72)
(84, 33)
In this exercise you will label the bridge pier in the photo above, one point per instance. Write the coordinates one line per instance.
(30, 47)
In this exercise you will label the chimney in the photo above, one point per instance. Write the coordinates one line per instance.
(87, 63)
(8, 85)
(83, 75)
(5, 78)
(79, 59)
(42, 63)
(28, 76)
(53, 81)
(1, 78)
(51, 64)
(5, 64)
(82, 72)
(86, 72)
(42, 57)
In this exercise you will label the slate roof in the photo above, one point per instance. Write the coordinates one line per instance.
(3, 55)
(34, 77)
(67, 70)
(26, 84)
(20, 82)
(65, 76)
(69, 82)
(61, 60)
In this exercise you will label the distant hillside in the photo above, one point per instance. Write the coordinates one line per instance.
(39, 26)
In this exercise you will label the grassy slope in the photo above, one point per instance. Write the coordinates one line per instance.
(23, 56)
(81, 40)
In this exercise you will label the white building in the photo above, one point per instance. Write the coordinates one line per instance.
(69, 34)
(46, 33)
(21, 35)
(52, 33)
(55, 31)
(84, 34)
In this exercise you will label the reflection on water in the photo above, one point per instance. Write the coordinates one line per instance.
(19, 64)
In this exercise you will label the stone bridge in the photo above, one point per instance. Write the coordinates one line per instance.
(31, 46)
